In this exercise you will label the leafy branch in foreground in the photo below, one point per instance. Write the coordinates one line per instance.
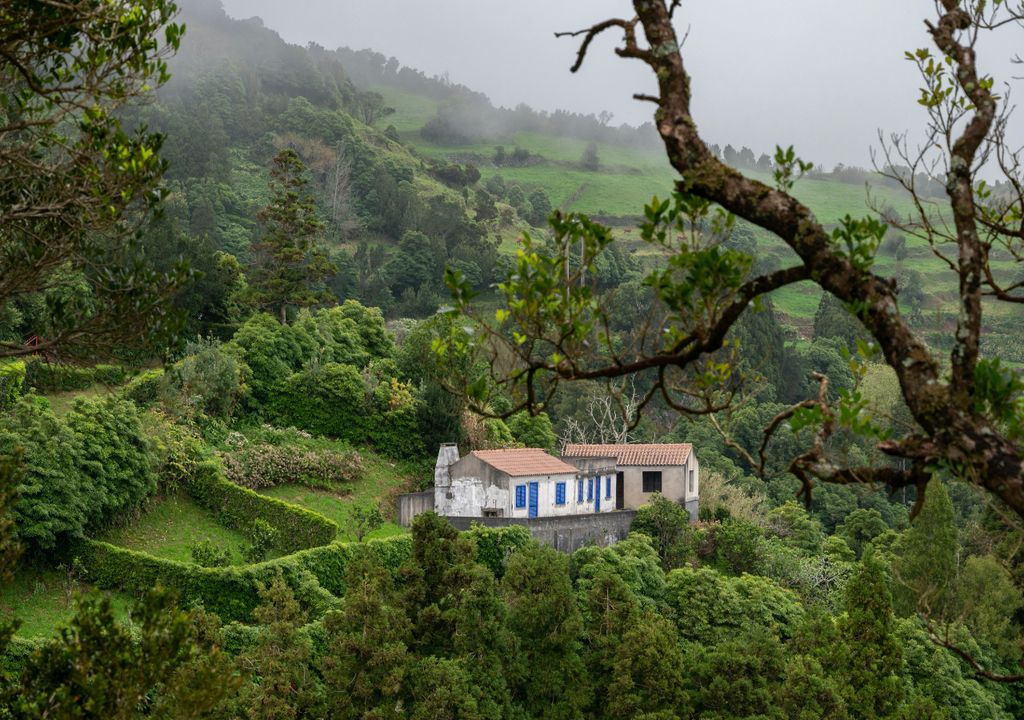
(554, 327)
(75, 184)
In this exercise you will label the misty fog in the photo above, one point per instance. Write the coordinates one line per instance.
(823, 75)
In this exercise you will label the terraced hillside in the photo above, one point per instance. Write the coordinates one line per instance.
(628, 177)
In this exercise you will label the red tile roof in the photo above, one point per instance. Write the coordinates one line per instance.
(518, 462)
(649, 455)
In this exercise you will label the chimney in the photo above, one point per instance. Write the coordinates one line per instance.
(446, 456)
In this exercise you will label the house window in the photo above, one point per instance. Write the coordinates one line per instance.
(691, 481)
(608, 487)
(520, 496)
(560, 493)
(579, 491)
(652, 481)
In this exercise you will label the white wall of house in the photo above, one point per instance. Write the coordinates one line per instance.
(469, 497)
(546, 491)
(597, 491)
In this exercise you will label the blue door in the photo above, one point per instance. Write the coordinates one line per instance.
(597, 495)
(534, 492)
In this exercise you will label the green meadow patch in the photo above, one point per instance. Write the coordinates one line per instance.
(169, 526)
(42, 600)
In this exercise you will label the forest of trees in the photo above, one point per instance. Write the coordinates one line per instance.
(220, 278)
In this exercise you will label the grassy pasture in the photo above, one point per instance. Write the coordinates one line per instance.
(331, 505)
(168, 527)
(42, 600)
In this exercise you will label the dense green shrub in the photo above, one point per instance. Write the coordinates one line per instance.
(533, 431)
(667, 523)
(16, 654)
(262, 537)
(208, 554)
(494, 546)
(263, 466)
(207, 381)
(12, 380)
(239, 507)
(325, 399)
(272, 351)
(347, 335)
(340, 401)
(114, 457)
(51, 496)
(350, 334)
(80, 472)
(332, 373)
(144, 388)
(710, 606)
(392, 415)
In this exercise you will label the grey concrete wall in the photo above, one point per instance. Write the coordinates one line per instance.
(472, 466)
(692, 507)
(412, 504)
(566, 533)
(592, 465)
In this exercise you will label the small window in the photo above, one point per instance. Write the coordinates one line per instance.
(520, 496)
(579, 491)
(691, 481)
(560, 493)
(608, 487)
(652, 481)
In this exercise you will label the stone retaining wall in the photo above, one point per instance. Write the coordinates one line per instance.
(566, 533)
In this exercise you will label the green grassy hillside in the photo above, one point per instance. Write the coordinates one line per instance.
(629, 177)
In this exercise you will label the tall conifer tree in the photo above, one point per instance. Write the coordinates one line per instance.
(871, 656)
(289, 267)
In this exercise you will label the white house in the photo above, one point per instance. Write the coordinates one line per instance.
(518, 483)
(642, 470)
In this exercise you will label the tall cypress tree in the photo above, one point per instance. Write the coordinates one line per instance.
(441, 566)
(648, 671)
(609, 608)
(289, 267)
(925, 562)
(281, 659)
(870, 657)
(550, 681)
(367, 659)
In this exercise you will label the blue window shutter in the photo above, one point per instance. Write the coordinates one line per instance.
(608, 486)
(560, 493)
(520, 496)
(590, 489)
(579, 491)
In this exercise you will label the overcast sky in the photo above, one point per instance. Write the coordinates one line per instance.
(823, 75)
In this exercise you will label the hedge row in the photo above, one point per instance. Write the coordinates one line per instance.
(54, 377)
(237, 507)
(315, 575)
